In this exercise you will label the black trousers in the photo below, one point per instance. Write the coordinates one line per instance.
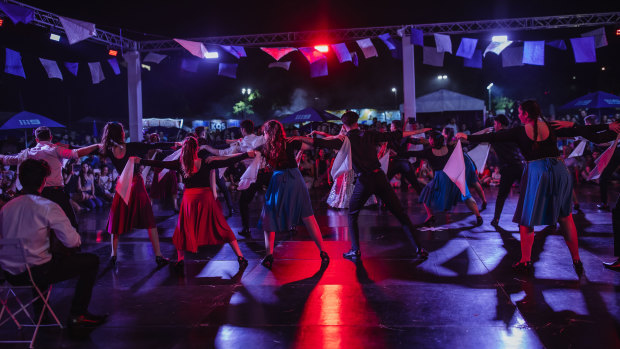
(248, 194)
(59, 196)
(404, 167)
(84, 266)
(376, 183)
(509, 175)
(220, 182)
(606, 175)
(615, 222)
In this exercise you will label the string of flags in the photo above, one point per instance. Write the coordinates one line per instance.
(530, 52)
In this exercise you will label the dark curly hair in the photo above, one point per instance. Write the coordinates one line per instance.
(189, 152)
(275, 144)
(112, 135)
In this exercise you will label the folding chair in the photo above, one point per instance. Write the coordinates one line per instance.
(13, 250)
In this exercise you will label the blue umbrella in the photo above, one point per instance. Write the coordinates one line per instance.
(309, 114)
(26, 120)
(594, 100)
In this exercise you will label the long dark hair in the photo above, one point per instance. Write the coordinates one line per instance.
(112, 135)
(188, 155)
(533, 113)
(275, 144)
(438, 139)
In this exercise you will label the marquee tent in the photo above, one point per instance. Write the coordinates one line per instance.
(446, 100)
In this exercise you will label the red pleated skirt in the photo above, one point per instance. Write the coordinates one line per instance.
(166, 188)
(138, 214)
(201, 221)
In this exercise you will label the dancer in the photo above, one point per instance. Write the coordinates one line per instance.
(248, 142)
(139, 212)
(441, 194)
(370, 179)
(201, 133)
(287, 201)
(165, 189)
(546, 185)
(399, 163)
(201, 221)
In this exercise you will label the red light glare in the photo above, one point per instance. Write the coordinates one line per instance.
(1, 22)
(113, 53)
(617, 31)
(322, 48)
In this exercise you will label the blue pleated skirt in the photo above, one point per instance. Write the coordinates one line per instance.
(546, 193)
(470, 171)
(286, 201)
(441, 194)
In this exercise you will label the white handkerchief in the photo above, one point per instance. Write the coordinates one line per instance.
(123, 184)
(251, 173)
(343, 161)
(455, 168)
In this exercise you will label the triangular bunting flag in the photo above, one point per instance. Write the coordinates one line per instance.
(387, 40)
(311, 54)
(512, 57)
(72, 68)
(284, 65)
(114, 65)
(77, 30)
(600, 39)
(342, 52)
(278, 52)
(17, 13)
(467, 48)
(51, 68)
(455, 168)
(240, 50)
(417, 37)
(356, 61)
(190, 65)
(367, 47)
(228, 70)
(400, 32)
(13, 63)
(430, 56)
(318, 68)
(236, 51)
(95, 72)
(497, 47)
(153, 57)
(534, 52)
(198, 49)
(475, 61)
(559, 44)
(443, 43)
(584, 49)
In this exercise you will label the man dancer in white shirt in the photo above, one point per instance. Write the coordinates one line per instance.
(249, 141)
(30, 217)
(53, 155)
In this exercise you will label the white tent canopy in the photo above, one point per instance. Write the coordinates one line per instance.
(167, 122)
(446, 100)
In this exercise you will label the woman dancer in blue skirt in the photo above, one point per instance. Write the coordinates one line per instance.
(287, 201)
(546, 185)
(441, 194)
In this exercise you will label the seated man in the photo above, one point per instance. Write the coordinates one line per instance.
(29, 217)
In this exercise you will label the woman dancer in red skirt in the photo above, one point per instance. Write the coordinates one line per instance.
(139, 212)
(201, 221)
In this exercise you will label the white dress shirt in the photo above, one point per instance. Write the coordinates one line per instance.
(49, 152)
(30, 218)
(246, 144)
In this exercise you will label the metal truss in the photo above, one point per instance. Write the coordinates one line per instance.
(339, 35)
(50, 21)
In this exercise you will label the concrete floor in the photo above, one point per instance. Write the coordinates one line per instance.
(464, 296)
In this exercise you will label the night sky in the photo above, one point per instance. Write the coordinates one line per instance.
(170, 92)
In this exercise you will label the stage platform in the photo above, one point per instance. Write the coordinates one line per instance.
(464, 296)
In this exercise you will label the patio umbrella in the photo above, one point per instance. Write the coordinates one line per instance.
(26, 120)
(309, 114)
(594, 100)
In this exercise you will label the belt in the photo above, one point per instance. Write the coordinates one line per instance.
(58, 187)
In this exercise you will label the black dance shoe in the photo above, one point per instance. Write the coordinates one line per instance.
(430, 222)
(178, 266)
(245, 232)
(484, 206)
(113, 261)
(479, 221)
(242, 262)
(603, 206)
(495, 222)
(267, 261)
(578, 266)
(523, 267)
(324, 259)
(422, 253)
(161, 261)
(352, 254)
(613, 265)
(86, 320)
(576, 206)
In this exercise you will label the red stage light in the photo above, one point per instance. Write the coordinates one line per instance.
(617, 30)
(322, 48)
(113, 53)
(1, 21)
